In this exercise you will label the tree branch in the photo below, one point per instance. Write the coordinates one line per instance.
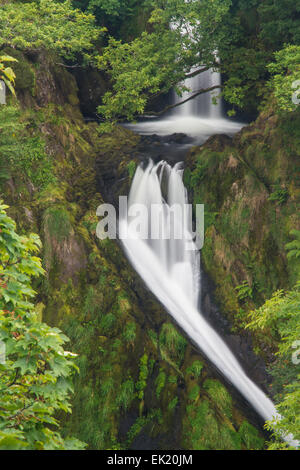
(196, 72)
(12, 382)
(20, 412)
(171, 106)
(69, 66)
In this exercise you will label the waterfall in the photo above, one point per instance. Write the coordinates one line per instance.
(198, 118)
(170, 268)
(202, 105)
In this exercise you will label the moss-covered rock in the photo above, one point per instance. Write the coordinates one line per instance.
(250, 188)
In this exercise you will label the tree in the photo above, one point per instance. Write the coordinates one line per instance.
(280, 23)
(255, 30)
(158, 60)
(285, 83)
(115, 15)
(47, 25)
(35, 375)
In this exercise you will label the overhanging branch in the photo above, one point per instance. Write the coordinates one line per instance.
(171, 106)
(196, 72)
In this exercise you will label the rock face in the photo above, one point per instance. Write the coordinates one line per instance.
(251, 190)
(91, 87)
(141, 385)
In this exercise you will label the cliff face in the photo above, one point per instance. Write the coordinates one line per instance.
(141, 383)
(250, 186)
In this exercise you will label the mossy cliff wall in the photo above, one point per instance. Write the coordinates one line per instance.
(250, 186)
(141, 383)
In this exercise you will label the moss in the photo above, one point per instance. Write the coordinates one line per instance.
(194, 393)
(57, 221)
(143, 376)
(206, 431)
(160, 382)
(220, 396)
(173, 342)
(73, 99)
(129, 333)
(250, 437)
(195, 369)
(173, 404)
(131, 167)
(141, 423)
(126, 395)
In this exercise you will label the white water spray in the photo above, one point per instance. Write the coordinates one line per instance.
(171, 271)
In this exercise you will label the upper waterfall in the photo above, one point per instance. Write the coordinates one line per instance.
(199, 117)
(202, 105)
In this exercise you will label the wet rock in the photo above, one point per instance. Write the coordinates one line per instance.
(92, 85)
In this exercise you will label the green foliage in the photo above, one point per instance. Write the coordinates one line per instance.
(173, 403)
(194, 393)
(108, 322)
(254, 30)
(195, 369)
(107, 7)
(173, 342)
(286, 78)
(279, 195)
(23, 69)
(160, 382)
(35, 378)
(47, 25)
(250, 436)
(140, 423)
(129, 332)
(202, 166)
(143, 376)
(112, 14)
(6, 73)
(22, 151)
(220, 396)
(294, 246)
(204, 431)
(131, 167)
(279, 319)
(244, 291)
(280, 22)
(126, 394)
(289, 424)
(156, 61)
(57, 221)
(247, 72)
(107, 387)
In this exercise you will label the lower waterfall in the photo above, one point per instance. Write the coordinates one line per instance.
(171, 270)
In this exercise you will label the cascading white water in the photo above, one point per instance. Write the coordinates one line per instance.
(171, 270)
(202, 105)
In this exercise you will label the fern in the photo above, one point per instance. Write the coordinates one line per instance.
(294, 246)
